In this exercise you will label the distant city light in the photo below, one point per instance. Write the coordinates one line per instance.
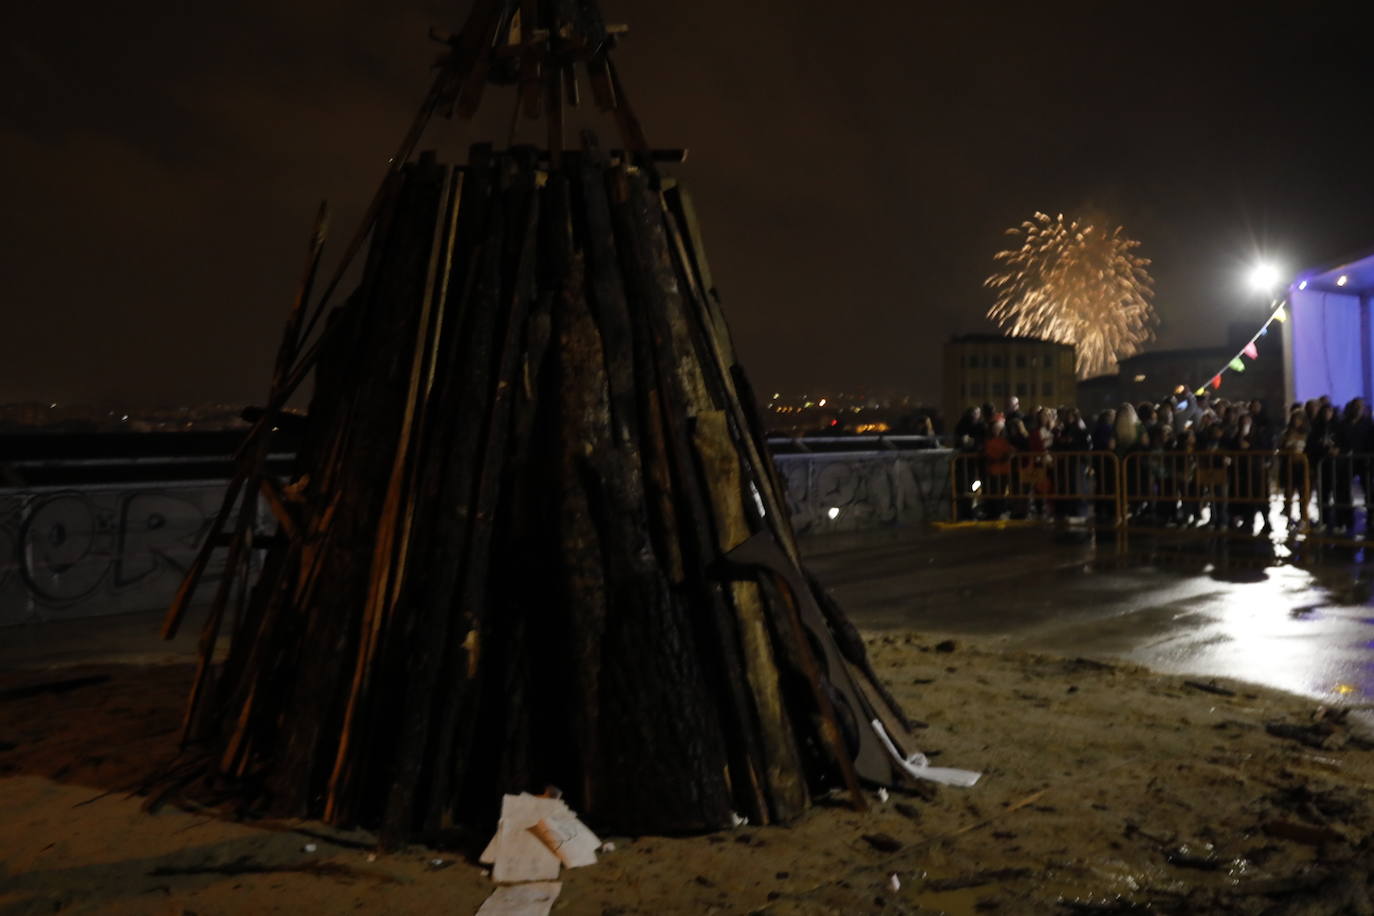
(1302, 285)
(833, 512)
(52, 406)
(977, 485)
(822, 402)
(1340, 281)
(125, 418)
(1263, 277)
(776, 395)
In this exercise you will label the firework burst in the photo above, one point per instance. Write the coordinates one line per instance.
(1075, 283)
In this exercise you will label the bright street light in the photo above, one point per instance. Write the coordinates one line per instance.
(1264, 277)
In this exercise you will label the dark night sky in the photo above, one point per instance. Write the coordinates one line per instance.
(162, 161)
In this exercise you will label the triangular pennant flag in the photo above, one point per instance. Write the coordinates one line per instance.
(1201, 391)
(1216, 381)
(1237, 364)
(1251, 351)
(1280, 315)
(1264, 330)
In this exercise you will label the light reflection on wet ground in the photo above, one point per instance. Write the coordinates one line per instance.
(1299, 620)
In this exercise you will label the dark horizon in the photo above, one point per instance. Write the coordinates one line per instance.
(853, 176)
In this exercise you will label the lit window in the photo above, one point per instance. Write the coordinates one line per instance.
(1140, 378)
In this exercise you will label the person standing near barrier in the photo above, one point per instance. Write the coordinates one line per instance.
(1346, 446)
(1358, 436)
(1130, 437)
(1039, 468)
(997, 462)
(1019, 439)
(1212, 473)
(1320, 456)
(1013, 411)
(1251, 492)
(1292, 468)
(1073, 437)
(969, 433)
(1185, 476)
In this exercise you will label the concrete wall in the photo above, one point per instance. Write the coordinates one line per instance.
(870, 490)
(117, 548)
(101, 549)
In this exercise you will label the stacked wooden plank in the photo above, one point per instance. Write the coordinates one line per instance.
(534, 537)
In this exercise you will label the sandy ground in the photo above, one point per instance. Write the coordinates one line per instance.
(1108, 788)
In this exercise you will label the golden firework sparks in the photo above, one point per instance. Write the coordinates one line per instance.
(1074, 283)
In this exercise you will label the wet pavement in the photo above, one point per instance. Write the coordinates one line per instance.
(1187, 603)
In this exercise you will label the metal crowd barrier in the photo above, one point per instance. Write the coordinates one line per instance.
(1163, 487)
(1044, 484)
(1215, 487)
(1337, 481)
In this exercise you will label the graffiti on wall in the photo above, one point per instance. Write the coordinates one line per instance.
(114, 549)
(849, 492)
(99, 550)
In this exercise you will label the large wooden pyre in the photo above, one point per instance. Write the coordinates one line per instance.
(534, 535)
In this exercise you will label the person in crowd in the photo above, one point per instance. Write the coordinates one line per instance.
(1359, 442)
(1249, 475)
(1321, 452)
(997, 466)
(1262, 428)
(989, 414)
(1020, 441)
(1164, 415)
(1071, 470)
(1292, 465)
(1213, 473)
(1013, 410)
(1039, 469)
(1152, 486)
(1129, 430)
(1130, 437)
(1185, 477)
(1104, 469)
(1346, 445)
(969, 434)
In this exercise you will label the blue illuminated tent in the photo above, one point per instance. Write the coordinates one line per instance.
(1332, 338)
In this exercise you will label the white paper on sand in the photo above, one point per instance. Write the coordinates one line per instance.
(534, 837)
(568, 838)
(535, 899)
(919, 767)
(514, 853)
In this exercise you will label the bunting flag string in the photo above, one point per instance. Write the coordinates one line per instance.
(1249, 351)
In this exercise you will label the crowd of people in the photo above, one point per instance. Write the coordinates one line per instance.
(1184, 460)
